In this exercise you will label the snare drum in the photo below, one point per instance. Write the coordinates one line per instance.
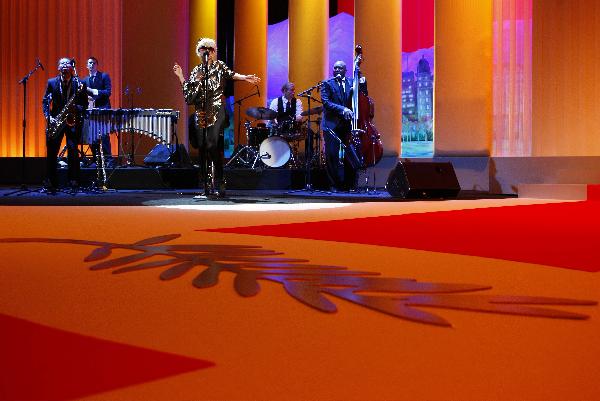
(274, 151)
(256, 135)
(290, 130)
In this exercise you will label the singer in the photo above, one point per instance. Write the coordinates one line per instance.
(63, 104)
(336, 94)
(214, 119)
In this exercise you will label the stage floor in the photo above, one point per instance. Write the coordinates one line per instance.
(265, 296)
(157, 197)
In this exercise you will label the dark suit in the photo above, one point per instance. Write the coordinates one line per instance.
(334, 101)
(101, 82)
(53, 103)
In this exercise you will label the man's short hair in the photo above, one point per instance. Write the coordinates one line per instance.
(286, 86)
(93, 58)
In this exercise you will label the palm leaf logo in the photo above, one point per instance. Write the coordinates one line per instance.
(314, 285)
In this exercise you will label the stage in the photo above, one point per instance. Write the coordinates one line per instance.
(267, 296)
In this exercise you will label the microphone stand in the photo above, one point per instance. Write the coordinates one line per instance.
(204, 127)
(24, 189)
(309, 145)
(239, 104)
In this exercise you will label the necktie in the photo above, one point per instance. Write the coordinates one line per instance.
(342, 90)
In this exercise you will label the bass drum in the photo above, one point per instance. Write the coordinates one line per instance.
(274, 151)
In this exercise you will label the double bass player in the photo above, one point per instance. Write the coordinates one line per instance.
(336, 94)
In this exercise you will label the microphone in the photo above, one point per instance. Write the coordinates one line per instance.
(39, 63)
(338, 77)
(257, 90)
(205, 57)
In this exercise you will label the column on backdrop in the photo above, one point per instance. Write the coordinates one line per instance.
(250, 37)
(308, 40)
(379, 31)
(203, 23)
(463, 78)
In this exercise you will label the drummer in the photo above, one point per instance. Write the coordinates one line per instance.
(287, 106)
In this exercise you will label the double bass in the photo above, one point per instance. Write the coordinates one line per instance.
(365, 138)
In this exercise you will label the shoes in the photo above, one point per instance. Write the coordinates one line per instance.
(50, 190)
(73, 186)
(48, 187)
(221, 190)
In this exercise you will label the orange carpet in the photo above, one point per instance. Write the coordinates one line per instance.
(151, 303)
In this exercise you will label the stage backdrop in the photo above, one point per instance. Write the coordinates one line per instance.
(138, 44)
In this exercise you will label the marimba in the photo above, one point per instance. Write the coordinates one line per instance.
(160, 124)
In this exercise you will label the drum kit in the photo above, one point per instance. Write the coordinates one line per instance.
(275, 144)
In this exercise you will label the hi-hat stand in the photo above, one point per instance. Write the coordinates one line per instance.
(24, 189)
(309, 144)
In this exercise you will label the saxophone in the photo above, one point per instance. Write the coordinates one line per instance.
(64, 117)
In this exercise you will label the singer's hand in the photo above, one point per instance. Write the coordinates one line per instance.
(253, 79)
(52, 120)
(178, 72)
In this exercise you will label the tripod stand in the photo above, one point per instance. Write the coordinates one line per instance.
(245, 152)
(24, 189)
(309, 145)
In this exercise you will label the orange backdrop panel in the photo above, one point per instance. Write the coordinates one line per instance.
(250, 53)
(309, 30)
(566, 78)
(463, 77)
(379, 30)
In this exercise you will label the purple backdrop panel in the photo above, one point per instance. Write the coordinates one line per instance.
(277, 60)
(341, 41)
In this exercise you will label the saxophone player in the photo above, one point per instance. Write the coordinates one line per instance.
(63, 104)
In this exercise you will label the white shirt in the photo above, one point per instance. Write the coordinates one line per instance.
(273, 105)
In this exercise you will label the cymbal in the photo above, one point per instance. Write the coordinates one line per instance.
(261, 113)
(314, 110)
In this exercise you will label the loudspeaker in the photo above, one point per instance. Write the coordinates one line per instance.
(171, 155)
(423, 180)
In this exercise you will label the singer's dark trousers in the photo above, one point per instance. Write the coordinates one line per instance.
(213, 148)
(73, 135)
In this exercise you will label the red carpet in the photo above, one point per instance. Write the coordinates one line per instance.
(593, 192)
(558, 234)
(51, 364)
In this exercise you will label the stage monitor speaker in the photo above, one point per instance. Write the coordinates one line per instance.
(423, 180)
(168, 155)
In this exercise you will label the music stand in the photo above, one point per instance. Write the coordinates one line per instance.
(24, 188)
(309, 146)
